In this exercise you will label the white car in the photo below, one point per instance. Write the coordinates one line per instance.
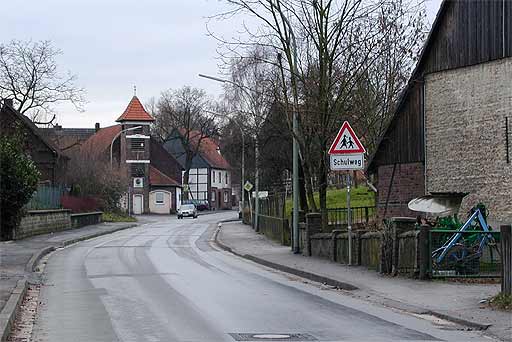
(187, 210)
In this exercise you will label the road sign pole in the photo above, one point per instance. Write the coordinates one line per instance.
(349, 221)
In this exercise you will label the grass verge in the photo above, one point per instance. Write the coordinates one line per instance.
(117, 217)
(361, 196)
(501, 302)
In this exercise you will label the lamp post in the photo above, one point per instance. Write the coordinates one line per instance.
(242, 197)
(256, 152)
(116, 136)
(111, 147)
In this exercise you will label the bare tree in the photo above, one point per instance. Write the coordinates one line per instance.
(183, 115)
(327, 47)
(29, 75)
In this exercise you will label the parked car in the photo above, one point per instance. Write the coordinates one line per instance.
(187, 210)
(203, 205)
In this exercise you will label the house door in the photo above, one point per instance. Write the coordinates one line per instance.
(137, 204)
(219, 199)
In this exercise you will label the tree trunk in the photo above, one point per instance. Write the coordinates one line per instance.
(302, 187)
(322, 190)
(186, 176)
(309, 188)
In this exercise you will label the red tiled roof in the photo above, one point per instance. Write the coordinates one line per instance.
(100, 141)
(135, 112)
(156, 177)
(209, 150)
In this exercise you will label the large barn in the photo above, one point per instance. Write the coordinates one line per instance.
(451, 131)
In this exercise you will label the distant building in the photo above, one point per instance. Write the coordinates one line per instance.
(49, 160)
(210, 174)
(451, 130)
(68, 140)
(154, 175)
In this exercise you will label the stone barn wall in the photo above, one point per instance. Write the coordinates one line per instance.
(466, 147)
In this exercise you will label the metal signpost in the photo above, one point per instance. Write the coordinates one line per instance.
(347, 154)
(248, 187)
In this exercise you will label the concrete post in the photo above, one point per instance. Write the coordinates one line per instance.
(334, 247)
(425, 258)
(313, 225)
(506, 262)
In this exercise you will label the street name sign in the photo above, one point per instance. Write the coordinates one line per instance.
(346, 151)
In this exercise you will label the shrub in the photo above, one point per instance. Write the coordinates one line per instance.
(18, 182)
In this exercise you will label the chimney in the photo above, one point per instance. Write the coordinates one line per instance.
(96, 127)
(58, 127)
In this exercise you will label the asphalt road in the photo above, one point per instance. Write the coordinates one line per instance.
(165, 281)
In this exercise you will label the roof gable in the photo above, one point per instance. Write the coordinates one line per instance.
(135, 112)
(99, 142)
(156, 177)
(464, 33)
(27, 123)
(208, 152)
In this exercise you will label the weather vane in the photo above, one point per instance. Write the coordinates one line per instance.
(134, 90)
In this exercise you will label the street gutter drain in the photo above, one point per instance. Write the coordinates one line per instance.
(271, 337)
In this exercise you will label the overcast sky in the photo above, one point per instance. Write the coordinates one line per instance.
(113, 45)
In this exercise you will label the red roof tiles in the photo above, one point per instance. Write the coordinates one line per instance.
(156, 177)
(135, 112)
(100, 141)
(209, 150)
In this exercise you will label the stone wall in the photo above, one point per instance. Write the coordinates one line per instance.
(43, 221)
(408, 259)
(466, 150)
(408, 182)
(371, 250)
(86, 219)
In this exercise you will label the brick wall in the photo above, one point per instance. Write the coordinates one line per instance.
(407, 183)
(465, 113)
(42, 222)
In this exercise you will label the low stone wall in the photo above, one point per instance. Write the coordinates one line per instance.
(37, 222)
(43, 221)
(321, 245)
(401, 248)
(408, 259)
(85, 219)
(341, 253)
(371, 250)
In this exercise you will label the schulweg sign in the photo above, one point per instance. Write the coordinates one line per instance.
(346, 151)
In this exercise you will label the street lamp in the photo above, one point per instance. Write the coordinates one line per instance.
(242, 197)
(256, 149)
(116, 136)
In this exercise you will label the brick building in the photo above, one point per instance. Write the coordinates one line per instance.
(451, 129)
(153, 174)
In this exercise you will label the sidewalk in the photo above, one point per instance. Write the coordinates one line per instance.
(18, 258)
(452, 301)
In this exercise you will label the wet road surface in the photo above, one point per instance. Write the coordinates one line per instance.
(165, 281)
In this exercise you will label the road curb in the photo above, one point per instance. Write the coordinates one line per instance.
(344, 286)
(12, 306)
(283, 268)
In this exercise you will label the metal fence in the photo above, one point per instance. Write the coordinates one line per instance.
(339, 216)
(473, 253)
(46, 197)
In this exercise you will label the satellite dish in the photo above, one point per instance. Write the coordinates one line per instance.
(438, 205)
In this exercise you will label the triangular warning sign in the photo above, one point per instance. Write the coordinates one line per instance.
(346, 142)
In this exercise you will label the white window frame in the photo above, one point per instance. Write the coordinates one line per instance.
(226, 197)
(213, 195)
(156, 198)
